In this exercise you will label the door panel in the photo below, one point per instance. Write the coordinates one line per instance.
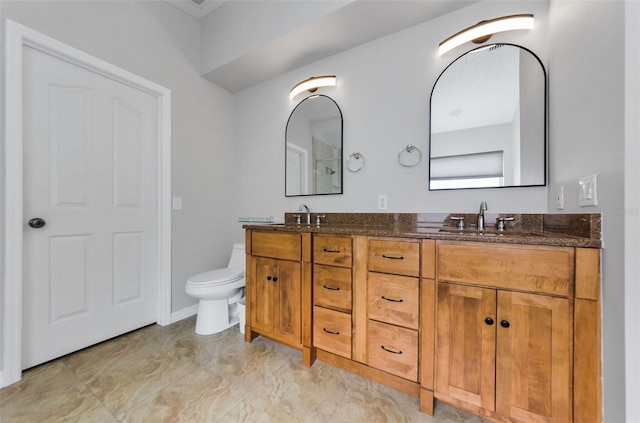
(289, 294)
(465, 344)
(533, 357)
(69, 111)
(68, 290)
(262, 314)
(90, 148)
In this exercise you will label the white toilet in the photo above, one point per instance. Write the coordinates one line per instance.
(219, 291)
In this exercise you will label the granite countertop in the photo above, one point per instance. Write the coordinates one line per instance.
(563, 230)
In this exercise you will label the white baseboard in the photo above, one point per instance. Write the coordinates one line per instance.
(176, 316)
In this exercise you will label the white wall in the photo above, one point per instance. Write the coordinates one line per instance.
(632, 211)
(162, 44)
(586, 52)
(383, 91)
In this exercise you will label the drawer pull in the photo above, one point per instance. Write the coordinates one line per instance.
(393, 257)
(330, 332)
(391, 299)
(390, 351)
(329, 250)
(330, 288)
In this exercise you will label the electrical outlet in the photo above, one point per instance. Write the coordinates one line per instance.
(382, 202)
(176, 203)
(588, 191)
(560, 198)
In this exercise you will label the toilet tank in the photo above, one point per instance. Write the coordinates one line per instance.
(238, 259)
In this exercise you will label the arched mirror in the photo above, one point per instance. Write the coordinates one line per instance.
(488, 121)
(313, 148)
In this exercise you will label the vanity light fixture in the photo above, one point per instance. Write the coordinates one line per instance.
(312, 84)
(482, 31)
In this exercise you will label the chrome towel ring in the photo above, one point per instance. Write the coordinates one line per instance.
(355, 162)
(405, 154)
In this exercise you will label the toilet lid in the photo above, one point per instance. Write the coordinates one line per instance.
(217, 276)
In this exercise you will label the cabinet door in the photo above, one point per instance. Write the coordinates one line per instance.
(288, 302)
(533, 357)
(465, 344)
(263, 312)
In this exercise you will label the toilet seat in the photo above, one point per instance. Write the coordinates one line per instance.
(216, 277)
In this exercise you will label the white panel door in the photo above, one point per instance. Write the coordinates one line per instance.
(90, 163)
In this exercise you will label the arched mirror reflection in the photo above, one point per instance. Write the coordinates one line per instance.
(488, 121)
(313, 153)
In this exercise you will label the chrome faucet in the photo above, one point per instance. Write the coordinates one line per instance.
(305, 207)
(483, 208)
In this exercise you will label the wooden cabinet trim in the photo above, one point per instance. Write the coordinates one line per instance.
(427, 335)
(588, 273)
(587, 361)
(428, 259)
(359, 311)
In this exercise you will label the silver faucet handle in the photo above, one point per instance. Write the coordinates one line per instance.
(460, 219)
(298, 219)
(318, 217)
(500, 222)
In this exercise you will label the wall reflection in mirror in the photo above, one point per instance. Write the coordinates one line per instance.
(314, 148)
(488, 121)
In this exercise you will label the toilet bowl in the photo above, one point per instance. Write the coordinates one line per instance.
(219, 291)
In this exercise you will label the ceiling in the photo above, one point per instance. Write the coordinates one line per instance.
(352, 24)
(197, 8)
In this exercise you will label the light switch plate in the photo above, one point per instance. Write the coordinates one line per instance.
(176, 203)
(560, 198)
(588, 191)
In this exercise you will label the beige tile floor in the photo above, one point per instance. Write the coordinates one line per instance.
(170, 374)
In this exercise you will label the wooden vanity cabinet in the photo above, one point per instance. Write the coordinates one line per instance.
(278, 283)
(509, 332)
(504, 331)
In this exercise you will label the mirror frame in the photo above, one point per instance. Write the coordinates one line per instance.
(341, 148)
(545, 137)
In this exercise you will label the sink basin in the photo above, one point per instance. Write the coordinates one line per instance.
(473, 232)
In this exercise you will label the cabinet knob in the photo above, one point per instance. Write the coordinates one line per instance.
(275, 279)
(488, 321)
(268, 278)
(505, 324)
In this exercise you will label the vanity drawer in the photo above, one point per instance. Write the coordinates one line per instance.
(276, 245)
(521, 267)
(393, 299)
(332, 287)
(393, 349)
(332, 331)
(397, 257)
(332, 249)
